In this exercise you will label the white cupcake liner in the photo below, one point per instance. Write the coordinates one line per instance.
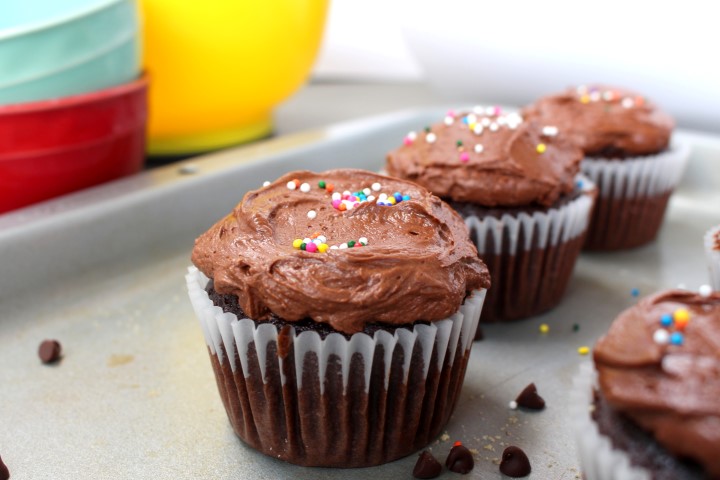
(599, 460)
(713, 257)
(640, 176)
(426, 353)
(539, 229)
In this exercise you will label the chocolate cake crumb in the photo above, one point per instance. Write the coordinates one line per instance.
(514, 463)
(427, 466)
(49, 351)
(530, 399)
(459, 460)
(4, 472)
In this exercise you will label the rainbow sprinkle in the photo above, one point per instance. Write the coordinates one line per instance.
(673, 324)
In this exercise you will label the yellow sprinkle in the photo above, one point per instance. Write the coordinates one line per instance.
(322, 248)
(585, 99)
(391, 200)
(541, 148)
(583, 350)
(472, 125)
(544, 328)
(681, 315)
(296, 243)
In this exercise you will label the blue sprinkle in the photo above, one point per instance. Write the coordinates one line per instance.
(579, 184)
(381, 203)
(666, 320)
(398, 197)
(465, 120)
(406, 198)
(635, 292)
(676, 338)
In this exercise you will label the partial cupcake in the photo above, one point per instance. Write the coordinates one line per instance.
(339, 310)
(516, 185)
(712, 250)
(653, 412)
(629, 154)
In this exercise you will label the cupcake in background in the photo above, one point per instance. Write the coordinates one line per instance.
(712, 250)
(516, 185)
(649, 409)
(628, 154)
(339, 311)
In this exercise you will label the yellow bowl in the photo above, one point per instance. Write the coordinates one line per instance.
(218, 67)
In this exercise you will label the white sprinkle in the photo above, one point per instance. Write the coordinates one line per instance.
(478, 109)
(382, 197)
(489, 110)
(478, 129)
(628, 102)
(705, 290)
(449, 120)
(366, 191)
(266, 183)
(312, 214)
(291, 185)
(479, 148)
(336, 196)
(348, 204)
(501, 120)
(430, 137)
(363, 240)
(608, 95)
(322, 238)
(485, 121)
(343, 246)
(306, 240)
(376, 186)
(595, 96)
(334, 247)
(317, 241)
(412, 135)
(550, 131)
(514, 117)
(305, 187)
(512, 405)
(471, 118)
(371, 198)
(494, 127)
(661, 336)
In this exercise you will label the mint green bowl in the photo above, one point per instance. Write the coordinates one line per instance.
(55, 48)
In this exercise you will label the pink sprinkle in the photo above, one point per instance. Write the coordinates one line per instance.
(407, 141)
(498, 110)
(464, 157)
(311, 247)
(336, 203)
(352, 198)
(451, 113)
(356, 204)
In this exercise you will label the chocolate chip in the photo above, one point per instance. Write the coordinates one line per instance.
(427, 466)
(459, 460)
(529, 398)
(514, 463)
(49, 351)
(4, 472)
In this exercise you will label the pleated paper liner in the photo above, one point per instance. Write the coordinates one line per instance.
(712, 250)
(336, 402)
(599, 460)
(633, 197)
(530, 255)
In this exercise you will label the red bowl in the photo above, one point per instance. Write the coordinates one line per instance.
(54, 147)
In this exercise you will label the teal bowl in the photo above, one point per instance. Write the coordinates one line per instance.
(51, 49)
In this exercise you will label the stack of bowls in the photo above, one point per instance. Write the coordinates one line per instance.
(73, 105)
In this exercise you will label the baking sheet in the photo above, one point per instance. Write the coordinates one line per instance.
(134, 396)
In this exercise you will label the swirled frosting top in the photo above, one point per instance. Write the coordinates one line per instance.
(489, 158)
(606, 121)
(659, 364)
(344, 247)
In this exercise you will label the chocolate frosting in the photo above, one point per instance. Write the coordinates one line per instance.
(418, 263)
(489, 159)
(670, 390)
(606, 121)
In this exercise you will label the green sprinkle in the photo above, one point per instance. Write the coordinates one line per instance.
(351, 243)
(321, 184)
(459, 143)
(303, 246)
(576, 327)
(427, 129)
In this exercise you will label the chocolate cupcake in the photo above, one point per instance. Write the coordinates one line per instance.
(515, 183)
(712, 250)
(653, 412)
(628, 154)
(339, 311)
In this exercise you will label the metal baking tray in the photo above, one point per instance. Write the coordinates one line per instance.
(134, 395)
